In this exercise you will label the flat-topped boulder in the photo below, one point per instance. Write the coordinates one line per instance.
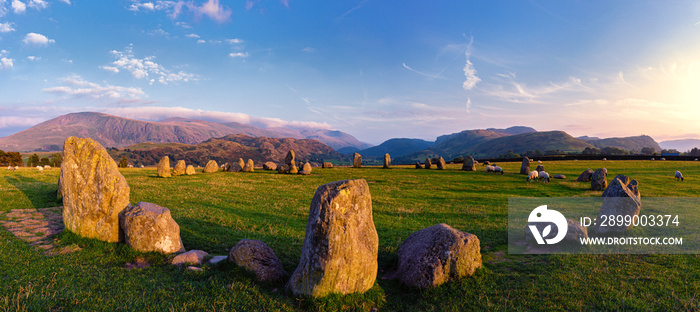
(195, 257)
(269, 166)
(340, 249)
(149, 227)
(94, 191)
(327, 165)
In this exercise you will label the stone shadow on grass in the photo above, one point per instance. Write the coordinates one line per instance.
(41, 194)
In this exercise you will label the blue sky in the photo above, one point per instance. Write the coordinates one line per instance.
(374, 69)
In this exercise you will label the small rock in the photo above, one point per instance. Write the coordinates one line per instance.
(194, 268)
(257, 257)
(327, 165)
(269, 166)
(192, 257)
(216, 259)
(559, 176)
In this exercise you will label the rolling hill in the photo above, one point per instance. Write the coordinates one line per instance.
(397, 147)
(113, 131)
(680, 145)
(635, 143)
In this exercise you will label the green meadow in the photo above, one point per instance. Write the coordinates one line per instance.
(216, 210)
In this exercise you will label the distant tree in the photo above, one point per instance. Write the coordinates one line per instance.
(510, 154)
(458, 159)
(123, 163)
(33, 160)
(44, 161)
(670, 151)
(694, 152)
(648, 150)
(590, 151)
(56, 159)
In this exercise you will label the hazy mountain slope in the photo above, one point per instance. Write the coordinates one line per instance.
(521, 143)
(683, 145)
(397, 147)
(635, 143)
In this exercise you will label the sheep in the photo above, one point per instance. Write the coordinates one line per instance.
(497, 169)
(40, 168)
(539, 161)
(662, 158)
(16, 168)
(490, 168)
(543, 176)
(679, 176)
(47, 167)
(532, 176)
(9, 168)
(486, 163)
(604, 159)
(652, 158)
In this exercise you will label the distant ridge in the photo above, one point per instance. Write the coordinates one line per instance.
(113, 131)
(683, 145)
(635, 143)
(397, 147)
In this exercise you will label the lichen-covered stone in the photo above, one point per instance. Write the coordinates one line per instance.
(356, 160)
(293, 169)
(149, 227)
(289, 159)
(189, 170)
(249, 166)
(525, 166)
(190, 257)
(585, 176)
(257, 257)
(468, 164)
(428, 163)
(211, 167)
(441, 164)
(180, 168)
(437, 254)
(418, 165)
(327, 165)
(269, 166)
(339, 254)
(94, 191)
(599, 180)
(387, 161)
(164, 167)
(621, 198)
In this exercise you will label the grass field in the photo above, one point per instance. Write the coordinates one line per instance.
(215, 211)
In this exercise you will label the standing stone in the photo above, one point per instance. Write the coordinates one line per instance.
(293, 169)
(599, 180)
(249, 166)
(428, 164)
(179, 168)
(149, 227)
(211, 167)
(340, 249)
(387, 161)
(327, 165)
(437, 254)
(306, 169)
(289, 159)
(539, 168)
(241, 163)
(585, 176)
(418, 165)
(94, 192)
(525, 166)
(269, 166)
(189, 170)
(468, 164)
(441, 164)
(621, 198)
(164, 167)
(356, 160)
(257, 257)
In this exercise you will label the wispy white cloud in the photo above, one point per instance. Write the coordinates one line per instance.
(200, 41)
(138, 6)
(77, 87)
(353, 9)
(234, 41)
(192, 36)
(238, 54)
(213, 10)
(66, 2)
(33, 58)
(308, 50)
(19, 121)
(38, 4)
(159, 32)
(18, 7)
(35, 39)
(436, 76)
(144, 67)
(6, 27)
(285, 3)
(470, 77)
(5, 62)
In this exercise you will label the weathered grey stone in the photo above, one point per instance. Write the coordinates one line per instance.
(211, 167)
(441, 164)
(249, 166)
(599, 179)
(585, 176)
(293, 169)
(356, 160)
(428, 163)
(306, 169)
(437, 254)
(327, 165)
(189, 170)
(559, 176)
(94, 191)
(340, 249)
(257, 257)
(468, 164)
(620, 198)
(164, 167)
(289, 159)
(540, 168)
(191, 257)
(418, 165)
(525, 166)
(179, 168)
(269, 166)
(149, 227)
(387, 161)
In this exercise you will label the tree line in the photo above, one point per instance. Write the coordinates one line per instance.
(11, 159)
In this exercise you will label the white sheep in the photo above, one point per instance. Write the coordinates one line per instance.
(497, 169)
(16, 168)
(47, 167)
(490, 168)
(40, 168)
(679, 176)
(543, 176)
(9, 168)
(662, 158)
(539, 161)
(604, 159)
(532, 176)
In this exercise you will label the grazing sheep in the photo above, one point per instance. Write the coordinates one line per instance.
(539, 161)
(16, 168)
(486, 163)
(142, 166)
(9, 168)
(47, 167)
(662, 158)
(490, 168)
(604, 159)
(40, 168)
(679, 176)
(532, 176)
(497, 169)
(543, 176)
(652, 158)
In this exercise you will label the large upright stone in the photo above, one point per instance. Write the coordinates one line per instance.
(189, 170)
(94, 192)
(241, 163)
(249, 166)
(621, 198)
(468, 164)
(525, 166)
(327, 165)
(289, 159)
(211, 167)
(356, 160)
(428, 163)
(164, 167)
(418, 165)
(387, 161)
(339, 254)
(437, 254)
(599, 180)
(305, 169)
(441, 164)
(180, 168)
(149, 227)
(585, 176)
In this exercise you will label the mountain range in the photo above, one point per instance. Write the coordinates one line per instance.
(113, 131)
